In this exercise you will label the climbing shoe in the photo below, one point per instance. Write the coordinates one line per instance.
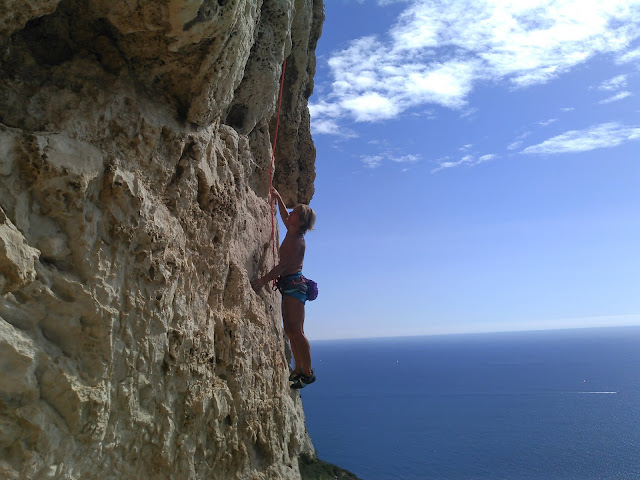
(303, 380)
(293, 376)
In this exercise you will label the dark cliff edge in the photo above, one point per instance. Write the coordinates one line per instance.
(312, 468)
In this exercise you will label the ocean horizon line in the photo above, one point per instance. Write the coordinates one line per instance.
(479, 333)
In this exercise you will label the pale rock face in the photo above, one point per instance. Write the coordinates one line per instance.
(135, 145)
(17, 258)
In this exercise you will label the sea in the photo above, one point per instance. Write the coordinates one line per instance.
(542, 405)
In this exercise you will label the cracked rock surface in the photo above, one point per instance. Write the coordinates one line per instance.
(135, 149)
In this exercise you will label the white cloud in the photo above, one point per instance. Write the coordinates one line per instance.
(324, 117)
(448, 164)
(616, 97)
(468, 113)
(389, 2)
(615, 83)
(406, 159)
(429, 114)
(518, 141)
(612, 85)
(325, 126)
(605, 135)
(374, 161)
(370, 107)
(546, 123)
(324, 109)
(486, 158)
(630, 56)
(468, 160)
(515, 145)
(436, 52)
(371, 161)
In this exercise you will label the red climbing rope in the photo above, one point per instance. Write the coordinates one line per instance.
(273, 156)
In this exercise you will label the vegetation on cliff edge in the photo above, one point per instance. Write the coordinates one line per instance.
(315, 469)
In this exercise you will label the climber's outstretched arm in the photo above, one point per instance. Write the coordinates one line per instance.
(284, 213)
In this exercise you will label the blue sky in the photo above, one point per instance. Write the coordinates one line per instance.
(477, 167)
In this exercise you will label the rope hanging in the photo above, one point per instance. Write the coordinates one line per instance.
(273, 156)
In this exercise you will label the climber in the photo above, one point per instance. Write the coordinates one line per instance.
(294, 287)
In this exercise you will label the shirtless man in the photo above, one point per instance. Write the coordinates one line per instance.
(293, 287)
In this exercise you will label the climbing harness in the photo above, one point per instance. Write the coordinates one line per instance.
(297, 284)
(273, 156)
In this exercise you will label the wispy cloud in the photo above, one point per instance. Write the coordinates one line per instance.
(605, 135)
(468, 112)
(519, 140)
(486, 158)
(371, 161)
(406, 159)
(436, 53)
(615, 98)
(389, 2)
(628, 57)
(375, 161)
(615, 83)
(546, 123)
(466, 160)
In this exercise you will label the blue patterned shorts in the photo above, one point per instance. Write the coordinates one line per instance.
(294, 285)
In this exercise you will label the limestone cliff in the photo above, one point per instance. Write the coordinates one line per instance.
(135, 142)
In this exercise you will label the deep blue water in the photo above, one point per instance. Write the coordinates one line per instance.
(529, 405)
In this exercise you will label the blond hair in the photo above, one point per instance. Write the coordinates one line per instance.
(307, 217)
